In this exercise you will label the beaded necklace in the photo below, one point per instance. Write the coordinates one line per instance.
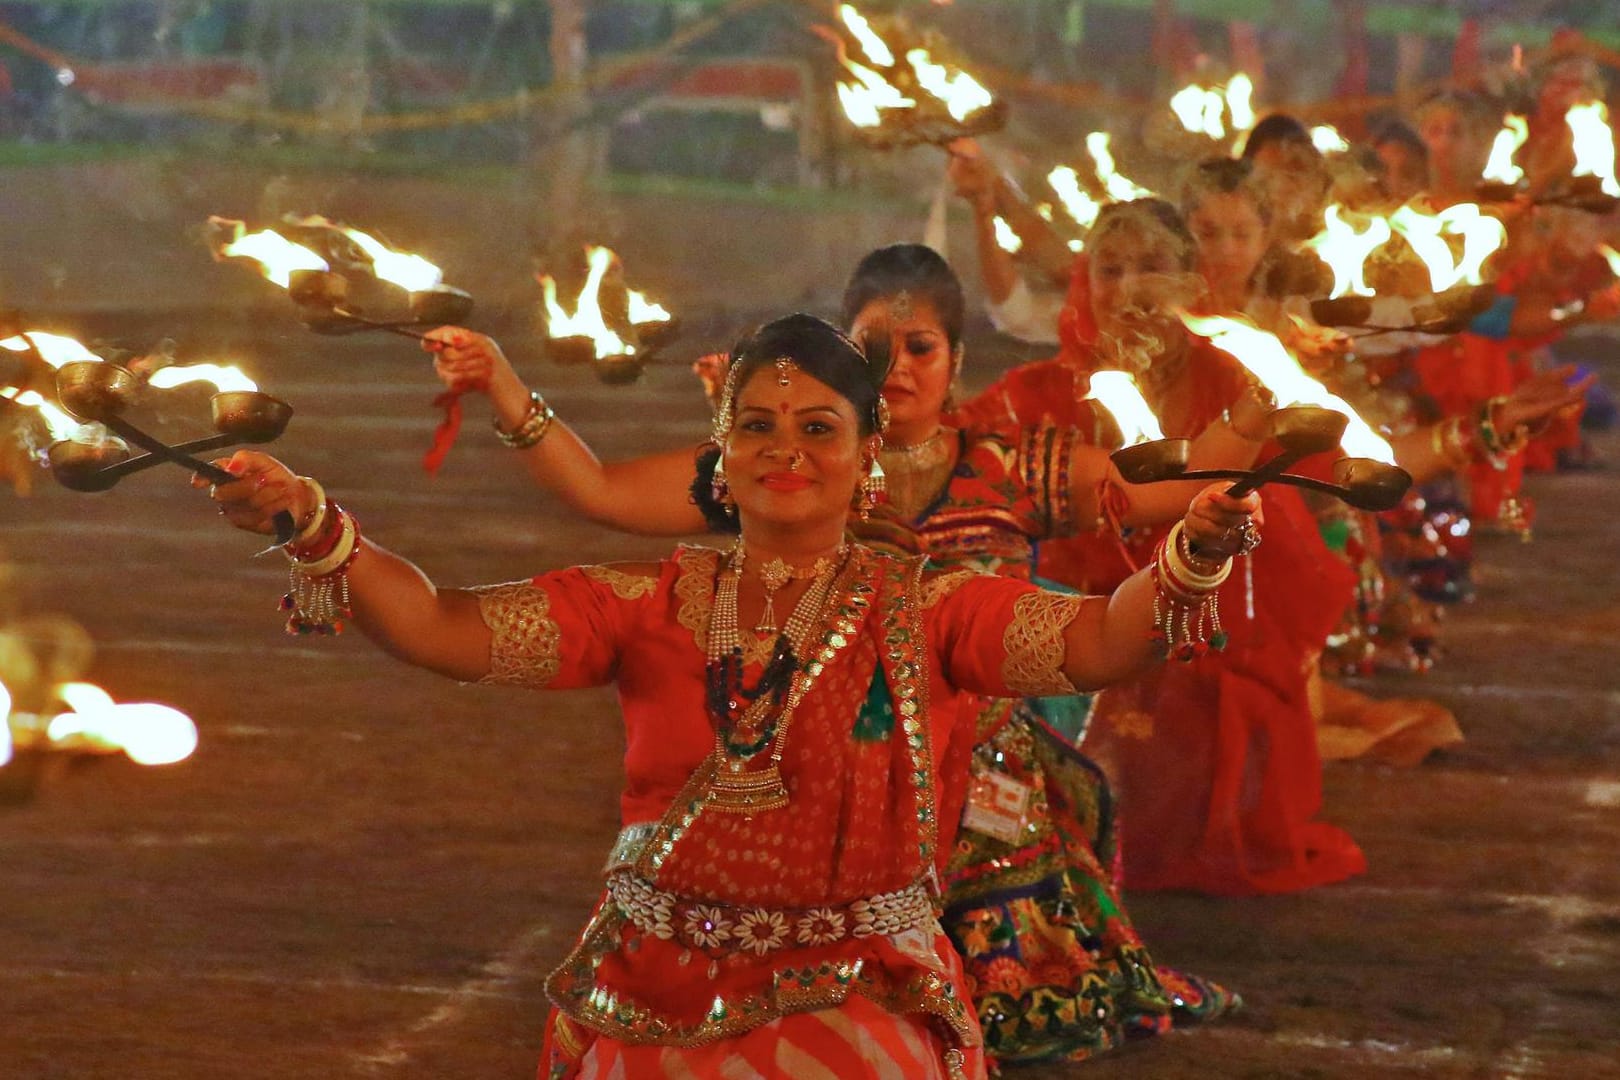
(767, 707)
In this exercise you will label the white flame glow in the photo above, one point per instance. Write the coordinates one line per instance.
(1200, 110)
(643, 311)
(149, 734)
(1593, 143)
(1007, 237)
(962, 94)
(1612, 257)
(276, 255)
(58, 423)
(54, 349)
(876, 49)
(1239, 101)
(1481, 236)
(586, 321)
(1269, 360)
(1117, 392)
(410, 272)
(1345, 250)
(1119, 188)
(5, 724)
(864, 104)
(1077, 202)
(224, 377)
(1326, 138)
(1500, 168)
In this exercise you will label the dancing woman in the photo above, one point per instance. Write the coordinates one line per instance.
(795, 729)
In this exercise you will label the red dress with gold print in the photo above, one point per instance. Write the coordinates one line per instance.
(1215, 761)
(793, 939)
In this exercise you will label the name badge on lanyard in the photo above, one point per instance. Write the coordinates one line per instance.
(997, 805)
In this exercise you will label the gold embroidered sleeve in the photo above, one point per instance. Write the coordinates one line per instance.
(938, 587)
(1034, 642)
(526, 644)
(625, 586)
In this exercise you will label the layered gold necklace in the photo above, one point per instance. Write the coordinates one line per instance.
(919, 472)
(747, 720)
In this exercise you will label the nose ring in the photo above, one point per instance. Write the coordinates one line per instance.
(795, 459)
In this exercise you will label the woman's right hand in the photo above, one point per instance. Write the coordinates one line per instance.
(711, 369)
(972, 175)
(466, 361)
(264, 487)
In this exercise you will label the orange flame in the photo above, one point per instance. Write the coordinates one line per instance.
(865, 100)
(54, 349)
(643, 311)
(1593, 143)
(224, 377)
(1007, 237)
(1117, 392)
(1119, 187)
(1500, 168)
(277, 256)
(1077, 202)
(1269, 360)
(149, 734)
(586, 321)
(1346, 251)
(1612, 257)
(1481, 236)
(410, 272)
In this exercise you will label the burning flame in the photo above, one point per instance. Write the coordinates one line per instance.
(1345, 250)
(1268, 360)
(1593, 144)
(1119, 188)
(277, 256)
(1326, 138)
(1612, 257)
(1239, 95)
(5, 724)
(962, 94)
(149, 734)
(1117, 392)
(410, 272)
(586, 321)
(643, 311)
(864, 101)
(1077, 202)
(876, 49)
(1200, 110)
(1500, 168)
(1481, 236)
(54, 349)
(864, 104)
(1007, 237)
(224, 378)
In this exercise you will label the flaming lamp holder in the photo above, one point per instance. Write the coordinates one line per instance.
(1449, 312)
(616, 369)
(100, 393)
(325, 303)
(1575, 192)
(1301, 431)
(929, 124)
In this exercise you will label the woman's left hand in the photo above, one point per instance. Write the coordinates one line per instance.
(1219, 525)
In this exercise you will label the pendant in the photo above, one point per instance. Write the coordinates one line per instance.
(736, 791)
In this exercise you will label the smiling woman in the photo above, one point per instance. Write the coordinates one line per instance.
(771, 906)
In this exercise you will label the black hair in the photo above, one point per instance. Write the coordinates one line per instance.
(1400, 133)
(913, 268)
(1278, 128)
(1223, 176)
(820, 350)
(1160, 212)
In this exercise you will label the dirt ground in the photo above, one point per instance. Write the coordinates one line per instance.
(366, 870)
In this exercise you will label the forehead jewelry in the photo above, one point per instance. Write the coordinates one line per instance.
(784, 371)
(900, 305)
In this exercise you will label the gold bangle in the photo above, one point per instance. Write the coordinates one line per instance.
(532, 428)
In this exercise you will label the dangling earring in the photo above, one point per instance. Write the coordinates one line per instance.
(718, 488)
(873, 485)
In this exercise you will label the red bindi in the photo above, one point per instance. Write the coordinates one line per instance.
(784, 408)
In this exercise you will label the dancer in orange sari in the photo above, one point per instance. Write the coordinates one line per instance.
(795, 729)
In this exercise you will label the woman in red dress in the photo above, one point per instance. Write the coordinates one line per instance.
(795, 729)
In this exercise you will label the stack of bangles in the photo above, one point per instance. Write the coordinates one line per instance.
(532, 428)
(328, 539)
(1186, 605)
(1461, 440)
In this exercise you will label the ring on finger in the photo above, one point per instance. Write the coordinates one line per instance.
(1250, 537)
